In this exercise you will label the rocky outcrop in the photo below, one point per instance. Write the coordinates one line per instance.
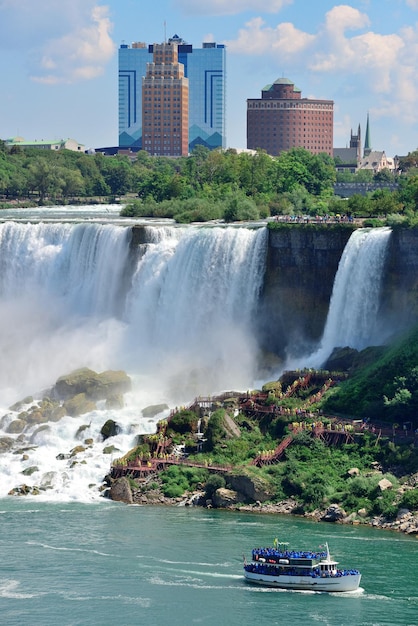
(120, 491)
(95, 386)
(225, 498)
(252, 488)
(154, 409)
(334, 513)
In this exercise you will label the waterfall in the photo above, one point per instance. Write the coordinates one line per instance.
(193, 297)
(353, 312)
(177, 317)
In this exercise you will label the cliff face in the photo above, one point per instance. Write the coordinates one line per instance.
(399, 298)
(301, 267)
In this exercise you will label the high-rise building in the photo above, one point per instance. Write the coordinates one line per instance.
(281, 119)
(165, 104)
(205, 69)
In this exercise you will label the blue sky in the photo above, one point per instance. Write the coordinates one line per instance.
(58, 61)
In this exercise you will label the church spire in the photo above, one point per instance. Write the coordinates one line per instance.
(367, 142)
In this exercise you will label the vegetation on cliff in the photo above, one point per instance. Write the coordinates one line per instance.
(384, 389)
(364, 469)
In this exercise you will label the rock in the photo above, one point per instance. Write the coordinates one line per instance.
(18, 405)
(77, 450)
(354, 471)
(120, 491)
(16, 427)
(79, 405)
(6, 444)
(362, 512)
(333, 514)
(30, 470)
(110, 429)
(252, 488)
(384, 484)
(95, 386)
(223, 498)
(154, 409)
(110, 449)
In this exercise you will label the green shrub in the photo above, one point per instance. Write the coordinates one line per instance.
(214, 482)
(410, 500)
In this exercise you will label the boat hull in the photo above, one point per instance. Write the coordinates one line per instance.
(331, 584)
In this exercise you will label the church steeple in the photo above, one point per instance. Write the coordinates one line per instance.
(367, 142)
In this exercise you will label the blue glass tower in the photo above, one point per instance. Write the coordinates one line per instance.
(205, 69)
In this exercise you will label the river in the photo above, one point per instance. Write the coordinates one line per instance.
(108, 564)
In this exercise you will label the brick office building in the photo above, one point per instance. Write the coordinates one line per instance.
(165, 104)
(281, 119)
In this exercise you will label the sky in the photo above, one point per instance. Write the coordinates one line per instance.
(59, 62)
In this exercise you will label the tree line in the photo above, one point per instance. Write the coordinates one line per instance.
(207, 185)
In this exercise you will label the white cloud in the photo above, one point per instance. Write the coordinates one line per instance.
(412, 3)
(231, 7)
(66, 41)
(256, 38)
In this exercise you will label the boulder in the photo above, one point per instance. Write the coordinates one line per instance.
(224, 498)
(384, 484)
(16, 427)
(252, 488)
(120, 491)
(354, 471)
(333, 514)
(109, 429)
(79, 405)
(77, 450)
(95, 386)
(30, 470)
(6, 444)
(154, 409)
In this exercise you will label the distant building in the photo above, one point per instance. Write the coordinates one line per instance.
(165, 104)
(60, 144)
(281, 119)
(347, 159)
(350, 159)
(205, 69)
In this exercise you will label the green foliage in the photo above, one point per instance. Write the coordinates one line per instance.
(385, 390)
(215, 431)
(410, 500)
(177, 480)
(183, 422)
(214, 482)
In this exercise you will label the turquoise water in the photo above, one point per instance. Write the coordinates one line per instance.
(108, 564)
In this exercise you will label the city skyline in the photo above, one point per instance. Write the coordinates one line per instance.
(59, 65)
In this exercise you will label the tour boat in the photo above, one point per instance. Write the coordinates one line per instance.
(299, 569)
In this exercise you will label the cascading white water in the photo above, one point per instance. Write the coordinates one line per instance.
(353, 313)
(181, 327)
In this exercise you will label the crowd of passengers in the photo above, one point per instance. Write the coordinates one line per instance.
(261, 568)
(274, 554)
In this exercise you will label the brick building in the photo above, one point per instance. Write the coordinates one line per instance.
(281, 119)
(165, 104)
